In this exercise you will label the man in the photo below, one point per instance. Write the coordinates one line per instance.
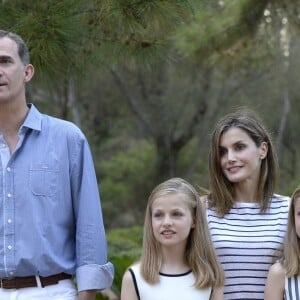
(51, 226)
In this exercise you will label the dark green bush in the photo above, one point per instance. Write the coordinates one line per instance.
(124, 248)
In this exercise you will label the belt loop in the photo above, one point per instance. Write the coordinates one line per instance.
(38, 281)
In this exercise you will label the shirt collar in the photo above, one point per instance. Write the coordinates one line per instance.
(33, 119)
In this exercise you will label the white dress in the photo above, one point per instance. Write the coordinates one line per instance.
(169, 287)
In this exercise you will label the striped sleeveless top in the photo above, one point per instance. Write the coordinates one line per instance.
(247, 242)
(292, 288)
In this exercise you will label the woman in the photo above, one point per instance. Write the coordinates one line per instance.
(246, 219)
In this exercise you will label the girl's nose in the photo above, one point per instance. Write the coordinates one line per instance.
(167, 221)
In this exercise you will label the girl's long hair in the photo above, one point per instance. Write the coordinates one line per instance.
(291, 257)
(200, 253)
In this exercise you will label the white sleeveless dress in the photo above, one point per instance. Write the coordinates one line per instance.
(175, 287)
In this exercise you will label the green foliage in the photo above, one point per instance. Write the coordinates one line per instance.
(126, 177)
(124, 248)
(125, 241)
(65, 36)
(219, 25)
(101, 297)
(135, 31)
(51, 29)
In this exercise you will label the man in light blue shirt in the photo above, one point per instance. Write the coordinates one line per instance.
(51, 226)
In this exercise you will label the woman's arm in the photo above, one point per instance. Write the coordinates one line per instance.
(274, 289)
(128, 291)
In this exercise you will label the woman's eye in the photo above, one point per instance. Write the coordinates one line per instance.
(222, 151)
(239, 147)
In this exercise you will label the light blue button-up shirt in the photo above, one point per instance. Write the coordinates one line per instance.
(50, 211)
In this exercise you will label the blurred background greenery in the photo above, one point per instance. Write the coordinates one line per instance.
(147, 80)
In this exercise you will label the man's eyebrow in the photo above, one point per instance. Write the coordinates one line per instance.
(7, 57)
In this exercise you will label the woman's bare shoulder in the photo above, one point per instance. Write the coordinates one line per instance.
(277, 269)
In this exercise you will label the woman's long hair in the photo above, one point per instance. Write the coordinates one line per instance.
(222, 190)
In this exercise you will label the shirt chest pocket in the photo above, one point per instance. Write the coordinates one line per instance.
(43, 179)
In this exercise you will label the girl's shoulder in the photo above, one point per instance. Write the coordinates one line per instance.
(135, 267)
(128, 288)
(131, 272)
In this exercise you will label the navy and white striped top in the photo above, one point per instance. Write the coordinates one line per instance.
(247, 242)
(292, 288)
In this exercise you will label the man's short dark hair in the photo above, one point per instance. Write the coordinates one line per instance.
(22, 48)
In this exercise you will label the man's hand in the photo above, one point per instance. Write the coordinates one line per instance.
(87, 295)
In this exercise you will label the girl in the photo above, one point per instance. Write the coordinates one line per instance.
(246, 220)
(284, 276)
(178, 260)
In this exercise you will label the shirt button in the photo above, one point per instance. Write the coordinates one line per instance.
(9, 195)
(11, 273)
(9, 247)
(9, 221)
(8, 169)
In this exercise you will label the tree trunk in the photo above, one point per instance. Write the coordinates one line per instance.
(72, 101)
(166, 161)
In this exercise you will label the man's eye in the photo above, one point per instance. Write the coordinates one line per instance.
(4, 60)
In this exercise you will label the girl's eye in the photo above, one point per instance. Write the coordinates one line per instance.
(177, 214)
(157, 215)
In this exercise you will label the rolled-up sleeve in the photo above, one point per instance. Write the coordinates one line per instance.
(93, 271)
(90, 277)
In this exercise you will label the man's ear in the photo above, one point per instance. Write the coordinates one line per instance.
(29, 72)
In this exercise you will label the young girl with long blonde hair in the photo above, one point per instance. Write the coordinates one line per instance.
(283, 281)
(178, 260)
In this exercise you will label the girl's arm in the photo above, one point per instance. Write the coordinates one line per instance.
(128, 291)
(217, 293)
(274, 289)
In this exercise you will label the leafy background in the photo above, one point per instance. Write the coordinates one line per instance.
(147, 80)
